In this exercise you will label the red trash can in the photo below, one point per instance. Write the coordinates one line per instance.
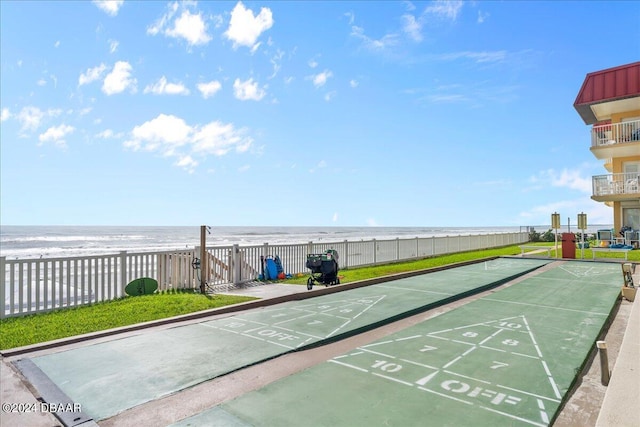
(568, 245)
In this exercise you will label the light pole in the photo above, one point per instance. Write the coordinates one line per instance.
(555, 224)
(582, 225)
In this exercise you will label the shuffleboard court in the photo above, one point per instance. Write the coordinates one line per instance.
(508, 358)
(110, 377)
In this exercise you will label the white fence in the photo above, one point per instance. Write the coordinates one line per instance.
(39, 285)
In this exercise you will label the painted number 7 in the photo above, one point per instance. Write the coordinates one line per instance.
(497, 365)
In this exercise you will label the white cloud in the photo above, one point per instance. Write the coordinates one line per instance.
(189, 26)
(161, 87)
(482, 16)
(478, 57)
(567, 178)
(445, 9)
(41, 82)
(244, 168)
(30, 118)
(91, 75)
(351, 17)
(335, 217)
(187, 163)
(330, 95)
(218, 138)
(275, 61)
(353, 83)
(119, 79)
(320, 79)
(321, 164)
(57, 43)
(245, 28)
(171, 136)
(111, 7)
(6, 115)
(105, 134)
(313, 63)
(113, 46)
(56, 135)
(371, 222)
(209, 89)
(387, 41)
(248, 90)
(412, 27)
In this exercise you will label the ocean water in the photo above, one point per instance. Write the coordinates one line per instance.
(63, 241)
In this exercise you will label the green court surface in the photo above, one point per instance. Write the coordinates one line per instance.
(110, 377)
(508, 358)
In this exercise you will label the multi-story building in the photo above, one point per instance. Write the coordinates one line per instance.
(609, 100)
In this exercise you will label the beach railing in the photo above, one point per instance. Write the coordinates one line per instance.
(31, 286)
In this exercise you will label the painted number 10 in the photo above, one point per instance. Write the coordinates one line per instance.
(386, 366)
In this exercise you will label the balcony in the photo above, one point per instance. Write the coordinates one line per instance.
(616, 187)
(616, 140)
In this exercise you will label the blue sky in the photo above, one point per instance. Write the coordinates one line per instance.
(302, 113)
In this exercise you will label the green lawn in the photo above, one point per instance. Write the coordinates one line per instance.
(36, 328)
(20, 331)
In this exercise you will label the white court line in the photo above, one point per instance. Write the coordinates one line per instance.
(348, 365)
(377, 343)
(416, 290)
(494, 349)
(551, 380)
(546, 306)
(444, 395)
(295, 318)
(491, 336)
(262, 325)
(422, 365)
(377, 352)
(543, 412)
(409, 338)
(392, 379)
(525, 355)
(356, 316)
(461, 342)
(550, 399)
(535, 343)
(514, 417)
(465, 376)
(469, 351)
(452, 362)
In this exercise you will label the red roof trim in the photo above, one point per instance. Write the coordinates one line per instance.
(607, 85)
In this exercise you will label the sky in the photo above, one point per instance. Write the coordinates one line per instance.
(323, 113)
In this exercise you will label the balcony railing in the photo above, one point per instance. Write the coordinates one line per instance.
(616, 133)
(615, 185)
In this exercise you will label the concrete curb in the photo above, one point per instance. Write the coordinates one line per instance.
(622, 398)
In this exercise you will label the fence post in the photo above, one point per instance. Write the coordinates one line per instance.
(397, 249)
(346, 254)
(310, 247)
(123, 272)
(3, 271)
(237, 273)
(375, 251)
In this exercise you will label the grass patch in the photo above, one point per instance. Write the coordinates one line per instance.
(363, 273)
(36, 328)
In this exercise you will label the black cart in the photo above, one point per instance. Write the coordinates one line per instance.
(324, 268)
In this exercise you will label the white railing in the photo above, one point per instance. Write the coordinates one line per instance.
(616, 133)
(39, 285)
(616, 184)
